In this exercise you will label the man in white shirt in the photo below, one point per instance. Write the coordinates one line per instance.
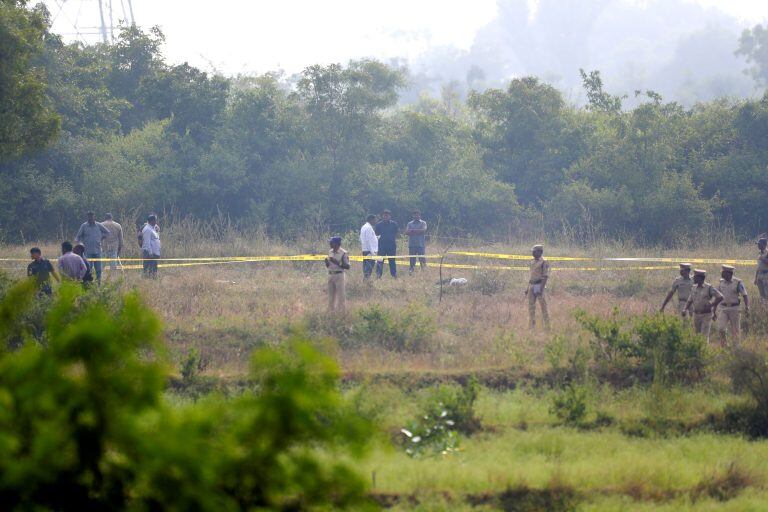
(370, 245)
(150, 246)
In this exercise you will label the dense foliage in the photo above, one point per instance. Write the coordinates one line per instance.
(84, 426)
(332, 144)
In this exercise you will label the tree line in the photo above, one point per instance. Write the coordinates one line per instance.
(115, 127)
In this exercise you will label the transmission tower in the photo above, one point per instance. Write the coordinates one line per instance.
(90, 20)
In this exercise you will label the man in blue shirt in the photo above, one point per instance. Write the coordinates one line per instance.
(387, 230)
(90, 234)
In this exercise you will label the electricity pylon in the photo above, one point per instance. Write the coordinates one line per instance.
(83, 20)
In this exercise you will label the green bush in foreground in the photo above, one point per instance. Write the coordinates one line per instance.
(83, 425)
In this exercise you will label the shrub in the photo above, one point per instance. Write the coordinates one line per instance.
(749, 373)
(669, 348)
(83, 425)
(411, 330)
(430, 435)
(459, 404)
(487, 282)
(448, 410)
(191, 365)
(658, 345)
(570, 405)
(612, 339)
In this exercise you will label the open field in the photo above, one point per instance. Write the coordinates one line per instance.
(639, 446)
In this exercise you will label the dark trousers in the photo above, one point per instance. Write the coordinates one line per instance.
(368, 265)
(387, 251)
(416, 251)
(150, 264)
(96, 264)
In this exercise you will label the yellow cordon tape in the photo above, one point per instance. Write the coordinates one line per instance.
(516, 256)
(219, 260)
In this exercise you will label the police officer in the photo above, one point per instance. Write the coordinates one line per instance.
(337, 263)
(682, 286)
(537, 281)
(732, 290)
(703, 300)
(761, 275)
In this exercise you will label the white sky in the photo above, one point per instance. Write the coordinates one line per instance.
(255, 36)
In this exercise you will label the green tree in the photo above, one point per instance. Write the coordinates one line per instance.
(27, 120)
(753, 45)
(528, 135)
(344, 107)
(84, 426)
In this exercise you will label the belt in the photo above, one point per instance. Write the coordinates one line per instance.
(335, 271)
(762, 271)
(730, 305)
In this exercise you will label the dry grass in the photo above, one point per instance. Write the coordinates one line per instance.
(226, 310)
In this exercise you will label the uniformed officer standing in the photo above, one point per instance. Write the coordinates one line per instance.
(536, 284)
(704, 299)
(682, 286)
(761, 276)
(337, 263)
(732, 289)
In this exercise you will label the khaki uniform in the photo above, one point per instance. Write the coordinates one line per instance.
(761, 275)
(682, 287)
(728, 310)
(539, 271)
(337, 293)
(701, 300)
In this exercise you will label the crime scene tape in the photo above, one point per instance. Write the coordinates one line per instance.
(220, 260)
(516, 256)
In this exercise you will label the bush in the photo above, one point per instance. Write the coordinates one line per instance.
(657, 345)
(488, 282)
(459, 404)
(191, 366)
(570, 405)
(411, 330)
(669, 348)
(612, 339)
(83, 425)
(448, 410)
(749, 374)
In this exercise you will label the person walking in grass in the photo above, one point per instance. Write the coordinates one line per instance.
(113, 244)
(369, 244)
(41, 270)
(387, 230)
(761, 274)
(703, 300)
(682, 287)
(537, 282)
(732, 290)
(150, 247)
(337, 263)
(91, 234)
(416, 230)
(70, 264)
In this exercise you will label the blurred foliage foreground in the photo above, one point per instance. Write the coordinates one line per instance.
(84, 425)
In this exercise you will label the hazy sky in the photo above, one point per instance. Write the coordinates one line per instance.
(254, 36)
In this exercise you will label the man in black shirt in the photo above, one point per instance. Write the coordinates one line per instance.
(387, 230)
(79, 249)
(42, 270)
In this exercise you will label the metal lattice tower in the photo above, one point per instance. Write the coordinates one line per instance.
(90, 21)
